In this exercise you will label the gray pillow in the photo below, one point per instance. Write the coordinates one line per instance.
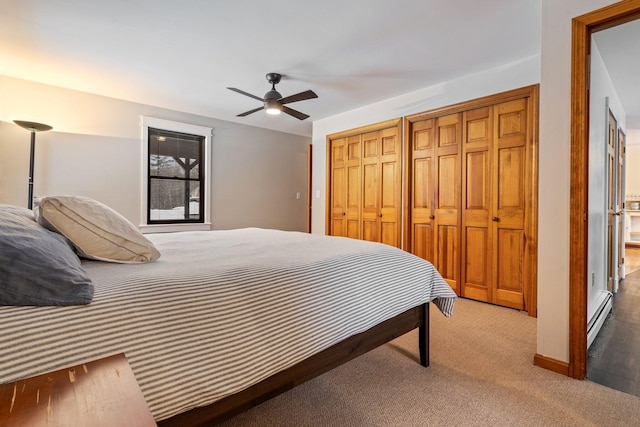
(38, 266)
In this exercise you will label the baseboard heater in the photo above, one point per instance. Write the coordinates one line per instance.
(598, 318)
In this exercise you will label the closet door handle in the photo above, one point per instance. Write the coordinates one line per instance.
(496, 219)
(432, 217)
(380, 215)
(344, 213)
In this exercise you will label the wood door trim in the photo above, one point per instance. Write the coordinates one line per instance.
(582, 28)
(485, 101)
(366, 129)
(531, 228)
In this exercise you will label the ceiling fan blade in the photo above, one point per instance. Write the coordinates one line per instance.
(245, 93)
(294, 113)
(308, 94)
(246, 113)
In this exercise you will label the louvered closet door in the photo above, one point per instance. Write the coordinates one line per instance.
(511, 134)
(447, 199)
(422, 140)
(477, 224)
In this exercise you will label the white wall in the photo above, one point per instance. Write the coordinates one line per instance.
(602, 90)
(554, 174)
(501, 79)
(94, 150)
(633, 164)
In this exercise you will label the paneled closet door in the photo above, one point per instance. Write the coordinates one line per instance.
(472, 196)
(446, 221)
(477, 224)
(511, 134)
(390, 186)
(338, 196)
(345, 187)
(381, 186)
(494, 203)
(353, 187)
(422, 198)
(370, 186)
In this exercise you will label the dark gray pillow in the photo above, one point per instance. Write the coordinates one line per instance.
(38, 266)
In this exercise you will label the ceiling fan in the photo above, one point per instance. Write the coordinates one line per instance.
(274, 102)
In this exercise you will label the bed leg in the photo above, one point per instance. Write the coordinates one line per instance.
(423, 340)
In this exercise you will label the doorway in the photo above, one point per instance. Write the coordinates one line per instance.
(583, 28)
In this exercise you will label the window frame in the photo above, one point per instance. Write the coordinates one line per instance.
(172, 126)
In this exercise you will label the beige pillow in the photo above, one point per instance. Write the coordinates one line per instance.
(97, 231)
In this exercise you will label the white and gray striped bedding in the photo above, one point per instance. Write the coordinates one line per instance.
(220, 311)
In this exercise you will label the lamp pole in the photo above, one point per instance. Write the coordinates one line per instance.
(31, 156)
(33, 127)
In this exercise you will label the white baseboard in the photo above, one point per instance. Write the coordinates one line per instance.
(598, 319)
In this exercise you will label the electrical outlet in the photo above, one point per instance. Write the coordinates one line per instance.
(593, 278)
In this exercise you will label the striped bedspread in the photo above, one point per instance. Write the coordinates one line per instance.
(220, 311)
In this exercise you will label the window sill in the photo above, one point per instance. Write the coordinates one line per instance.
(172, 228)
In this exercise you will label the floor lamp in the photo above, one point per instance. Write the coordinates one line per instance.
(33, 128)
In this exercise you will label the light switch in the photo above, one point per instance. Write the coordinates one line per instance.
(317, 194)
(298, 195)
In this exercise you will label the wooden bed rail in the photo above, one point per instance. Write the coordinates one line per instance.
(318, 364)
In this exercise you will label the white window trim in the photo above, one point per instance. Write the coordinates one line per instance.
(169, 125)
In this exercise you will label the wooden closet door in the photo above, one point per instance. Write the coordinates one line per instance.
(390, 186)
(338, 196)
(472, 196)
(353, 187)
(422, 199)
(476, 275)
(381, 186)
(447, 199)
(511, 134)
(370, 186)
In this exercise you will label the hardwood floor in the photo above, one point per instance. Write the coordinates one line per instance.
(614, 357)
(631, 259)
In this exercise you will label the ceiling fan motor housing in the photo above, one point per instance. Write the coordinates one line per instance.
(272, 95)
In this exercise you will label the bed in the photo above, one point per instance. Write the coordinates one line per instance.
(224, 320)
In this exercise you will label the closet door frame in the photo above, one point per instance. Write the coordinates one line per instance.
(531, 225)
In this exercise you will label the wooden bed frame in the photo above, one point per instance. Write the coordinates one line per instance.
(342, 352)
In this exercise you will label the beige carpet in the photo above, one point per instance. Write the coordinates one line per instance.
(481, 374)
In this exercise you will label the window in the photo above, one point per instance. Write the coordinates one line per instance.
(176, 176)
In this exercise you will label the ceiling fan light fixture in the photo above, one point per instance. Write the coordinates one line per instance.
(272, 107)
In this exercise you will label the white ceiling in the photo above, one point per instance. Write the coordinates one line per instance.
(183, 54)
